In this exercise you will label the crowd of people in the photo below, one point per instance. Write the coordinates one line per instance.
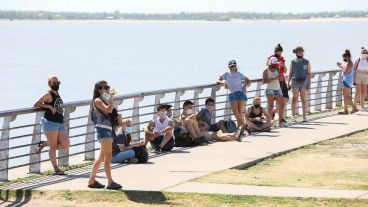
(114, 133)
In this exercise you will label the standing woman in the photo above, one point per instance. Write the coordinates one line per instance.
(271, 77)
(300, 78)
(53, 122)
(237, 98)
(347, 81)
(361, 78)
(102, 108)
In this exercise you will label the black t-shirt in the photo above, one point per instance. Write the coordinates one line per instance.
(57, 103)
(119, 139)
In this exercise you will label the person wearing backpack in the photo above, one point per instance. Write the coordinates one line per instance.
(236, 82)
(105, 119)
(361, 79)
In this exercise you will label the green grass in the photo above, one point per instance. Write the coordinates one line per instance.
(336, 164)
(47, 172)
(157, 198)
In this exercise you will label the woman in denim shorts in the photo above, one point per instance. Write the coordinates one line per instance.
(53, 122)
(300, 79)
(233, 81)
(271, 77)
(102, 107)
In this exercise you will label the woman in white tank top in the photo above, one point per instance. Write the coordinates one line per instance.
(273, 90)
(361, 78)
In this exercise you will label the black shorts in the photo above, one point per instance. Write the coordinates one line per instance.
(284, 89)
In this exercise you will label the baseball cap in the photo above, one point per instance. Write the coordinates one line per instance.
(274, 62)
(232, 63)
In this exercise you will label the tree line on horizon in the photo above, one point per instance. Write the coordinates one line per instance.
(208, 16)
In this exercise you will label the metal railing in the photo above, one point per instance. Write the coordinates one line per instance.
(18, 150)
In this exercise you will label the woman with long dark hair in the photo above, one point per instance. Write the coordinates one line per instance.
(101, 112)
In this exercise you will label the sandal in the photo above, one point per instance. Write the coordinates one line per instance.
(354, 110)
(343, 113)
(58, 172)
(40, 146)
(96, 184)
(114, 186)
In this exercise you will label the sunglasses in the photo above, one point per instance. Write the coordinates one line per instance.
(56, 83)
(105, 87)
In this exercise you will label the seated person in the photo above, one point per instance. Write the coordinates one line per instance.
(189, 121)
(255, 117)
(159, 132)
(216, 131)
(121, 147)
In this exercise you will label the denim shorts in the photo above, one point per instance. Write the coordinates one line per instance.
(299, 85)
(237, 96)
(103, 134)
(50, 126)
(346, 85)
(273, 93)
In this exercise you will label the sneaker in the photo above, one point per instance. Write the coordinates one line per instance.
(305, 119)
(133, 160)
(363, 109)
(284, 121)
(283, 125)
(158, 149)
(293, 119)
(248, 129)
(239, 133)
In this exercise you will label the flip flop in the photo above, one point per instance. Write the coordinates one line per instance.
(58, 172)
(96, 184)
(114, 186)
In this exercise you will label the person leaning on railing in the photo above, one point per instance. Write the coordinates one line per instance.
(105, 118)
(361, 79)
(300, 78)
(53, 122)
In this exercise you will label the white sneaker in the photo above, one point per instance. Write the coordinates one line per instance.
(283, 125)
(293, 119)
(363, 109)
(305, 119)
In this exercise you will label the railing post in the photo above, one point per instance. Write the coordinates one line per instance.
(258, 89)
(176, 112)
(339, 90)
(89, 147)
(309, 95)
(329, 93)
(64, 153)
(196, 98)
(213, 96)
(227, 112)
(318, 94)
(4, 148)
(158, 98)
(136, 119)
(36, 138)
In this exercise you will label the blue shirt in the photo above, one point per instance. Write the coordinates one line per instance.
(234, 80)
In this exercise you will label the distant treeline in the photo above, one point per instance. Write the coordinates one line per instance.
(209, 16)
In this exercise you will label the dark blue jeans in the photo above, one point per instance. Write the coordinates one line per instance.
(168, 146)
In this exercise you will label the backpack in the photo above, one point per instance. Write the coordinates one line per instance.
(185, 140)
(230, 126)
(141, 154)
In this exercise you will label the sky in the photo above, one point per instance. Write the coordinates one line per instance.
(174, 6)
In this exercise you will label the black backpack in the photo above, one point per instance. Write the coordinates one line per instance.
(141, 154)
(185, 140)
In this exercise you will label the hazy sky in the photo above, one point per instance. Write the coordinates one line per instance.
(168, 6)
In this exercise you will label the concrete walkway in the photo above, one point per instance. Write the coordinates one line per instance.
(227, 189)
(184, 164)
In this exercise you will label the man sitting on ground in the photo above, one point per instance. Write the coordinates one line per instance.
(216, 131)
(159, 132)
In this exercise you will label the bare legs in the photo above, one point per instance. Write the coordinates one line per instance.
(105, 156)
(56, 140)
(237, 107)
